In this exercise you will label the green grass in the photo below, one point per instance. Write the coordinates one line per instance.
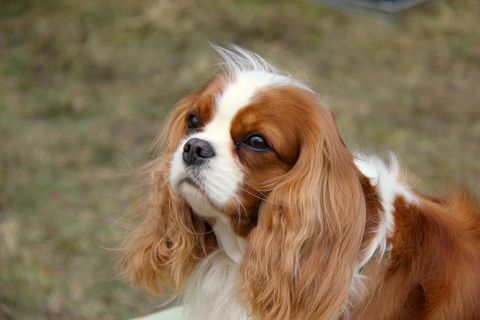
(84, 86)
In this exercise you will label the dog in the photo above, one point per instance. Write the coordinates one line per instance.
(258, 210)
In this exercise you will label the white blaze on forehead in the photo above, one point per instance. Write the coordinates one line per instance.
(248, 74)
(237, 94)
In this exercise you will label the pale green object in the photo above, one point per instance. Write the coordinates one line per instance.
(175, 313)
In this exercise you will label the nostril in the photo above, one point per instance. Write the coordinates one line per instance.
(204, 150)
(198, 151)
(186, 147)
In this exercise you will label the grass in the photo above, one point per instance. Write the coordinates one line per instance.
(84, 86)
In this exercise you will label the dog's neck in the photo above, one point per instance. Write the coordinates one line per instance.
(233, 245)
(230, 243)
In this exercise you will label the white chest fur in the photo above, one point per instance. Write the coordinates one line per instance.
(212, 290)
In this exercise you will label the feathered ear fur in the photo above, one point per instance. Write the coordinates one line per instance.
(170, 239)
(302, 253)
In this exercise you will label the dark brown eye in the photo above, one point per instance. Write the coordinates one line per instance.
(193, 122)
(256, 142)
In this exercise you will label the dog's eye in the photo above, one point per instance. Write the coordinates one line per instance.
(256, 143)
(193, 122)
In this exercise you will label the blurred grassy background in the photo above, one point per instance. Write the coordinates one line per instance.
(84, 86)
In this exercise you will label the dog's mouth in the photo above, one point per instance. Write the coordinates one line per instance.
(192, 186)
(193, 192)
(192, 181)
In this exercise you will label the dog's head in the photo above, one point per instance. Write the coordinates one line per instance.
(257, 151)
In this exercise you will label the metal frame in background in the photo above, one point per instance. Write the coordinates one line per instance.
(385, 9)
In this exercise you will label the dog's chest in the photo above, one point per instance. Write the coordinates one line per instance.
(212, 290)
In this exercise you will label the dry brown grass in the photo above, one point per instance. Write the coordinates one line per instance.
(84, 86)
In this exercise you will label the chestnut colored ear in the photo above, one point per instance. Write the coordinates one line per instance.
(301, 255)
(170, 239)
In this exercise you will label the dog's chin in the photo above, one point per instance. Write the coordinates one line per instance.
(190, 190)
(197, 199)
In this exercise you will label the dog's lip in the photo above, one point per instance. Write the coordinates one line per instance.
(199, 191)
(193, 184)
(189, 181)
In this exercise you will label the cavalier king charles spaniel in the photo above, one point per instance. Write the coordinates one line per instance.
(258, 210)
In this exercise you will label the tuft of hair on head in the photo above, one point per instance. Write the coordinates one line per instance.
(235, 60)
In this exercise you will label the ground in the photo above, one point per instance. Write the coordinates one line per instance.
(84, 86)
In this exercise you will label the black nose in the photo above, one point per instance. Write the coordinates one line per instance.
(196, 151)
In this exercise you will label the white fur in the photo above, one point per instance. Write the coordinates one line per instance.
(389, 185)
(229, 242)
(237, 60)
(212, 290)
(233, 246)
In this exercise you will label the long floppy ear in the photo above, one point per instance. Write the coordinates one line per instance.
(301, 255)
(169, 240)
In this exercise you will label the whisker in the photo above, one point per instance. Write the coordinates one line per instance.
(238, 209)
(260, 197)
